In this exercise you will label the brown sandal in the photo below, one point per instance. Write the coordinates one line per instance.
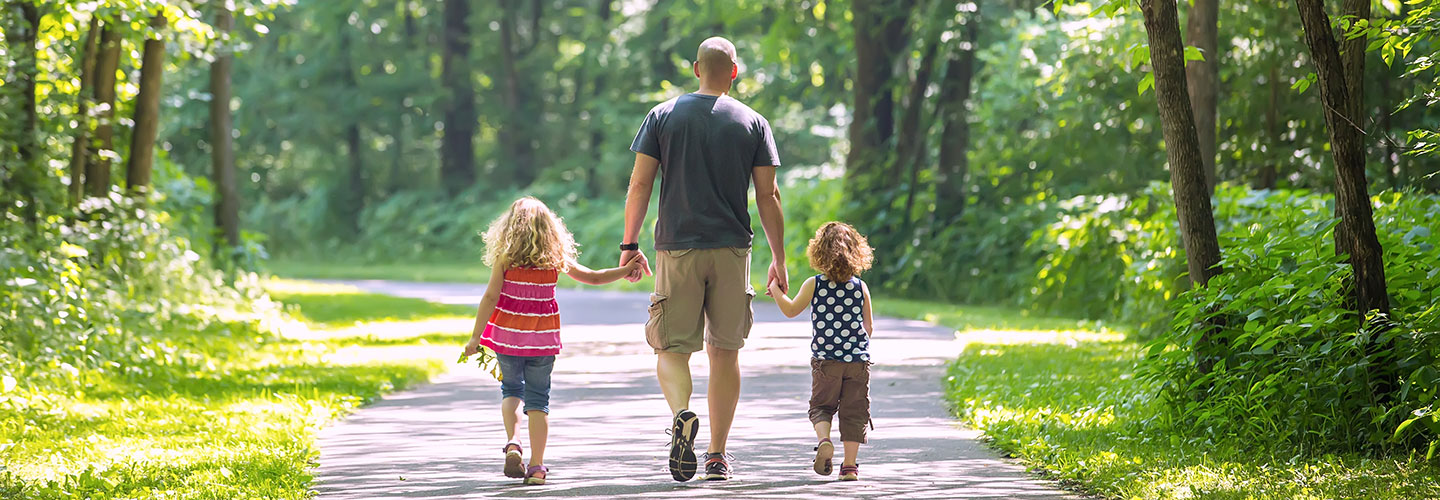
(514, 464)
(823, 454)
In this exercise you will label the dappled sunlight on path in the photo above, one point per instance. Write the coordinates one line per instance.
(608, 418)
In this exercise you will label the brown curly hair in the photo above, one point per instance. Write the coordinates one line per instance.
(839, 252)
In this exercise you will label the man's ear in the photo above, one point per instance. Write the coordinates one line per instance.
(695, 68)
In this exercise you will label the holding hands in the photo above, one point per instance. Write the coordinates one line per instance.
(777, 279)
(635, 261)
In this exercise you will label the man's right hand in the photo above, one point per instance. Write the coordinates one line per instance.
(644, 268)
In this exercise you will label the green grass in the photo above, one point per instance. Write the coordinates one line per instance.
(238, 421)
(338, 305)
(449, 271)
(1071, 408)
(456, 271)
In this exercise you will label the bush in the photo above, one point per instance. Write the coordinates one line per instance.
(1292, 364)
(114, 291)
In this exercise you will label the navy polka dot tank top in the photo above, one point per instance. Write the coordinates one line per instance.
(837, 311)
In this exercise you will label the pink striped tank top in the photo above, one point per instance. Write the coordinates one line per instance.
(526, 321)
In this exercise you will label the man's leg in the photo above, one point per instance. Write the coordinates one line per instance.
(723, 394)
(673, 371)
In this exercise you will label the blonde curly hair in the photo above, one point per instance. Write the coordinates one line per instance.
(839, 252)
(529, 235)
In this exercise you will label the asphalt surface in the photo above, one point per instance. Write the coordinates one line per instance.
(607, 421)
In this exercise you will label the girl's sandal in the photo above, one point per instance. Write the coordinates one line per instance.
(514, 466)
(849, 472)
(536, 474)
(823, 453)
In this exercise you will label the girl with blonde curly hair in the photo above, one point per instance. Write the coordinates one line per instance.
(839, 304)
(519, 320)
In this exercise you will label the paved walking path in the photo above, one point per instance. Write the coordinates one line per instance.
(443, 440)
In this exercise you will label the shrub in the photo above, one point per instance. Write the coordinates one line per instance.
(1292, 364)
(115, 291)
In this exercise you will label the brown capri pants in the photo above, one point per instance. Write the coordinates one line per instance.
(701, 296)
(843, 387)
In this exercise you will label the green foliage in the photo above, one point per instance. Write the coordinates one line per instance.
(235, 418)
(95, 296)
(1292, 364)
(1075, 410)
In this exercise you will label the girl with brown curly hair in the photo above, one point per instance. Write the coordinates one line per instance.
(839, 304)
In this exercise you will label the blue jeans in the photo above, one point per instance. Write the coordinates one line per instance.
(528, 378)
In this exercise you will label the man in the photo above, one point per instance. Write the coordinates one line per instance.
(709, 147)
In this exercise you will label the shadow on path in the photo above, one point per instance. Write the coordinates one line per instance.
(608, 418)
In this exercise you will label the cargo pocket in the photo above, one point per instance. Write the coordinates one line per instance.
(655, 327)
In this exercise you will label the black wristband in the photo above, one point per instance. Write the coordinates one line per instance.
(629, 246)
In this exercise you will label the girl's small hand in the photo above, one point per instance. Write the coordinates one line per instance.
(472, 348)
(774, 289)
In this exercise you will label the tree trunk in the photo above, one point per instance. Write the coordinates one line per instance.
(1352, 57)
(597, 135)
(353, 200)
(1352, 199)
(97, 173)
(517, 132)
(457, 146)
(1203, 78)
(877, 25)
(80, 150)
(147, 111)
(1182, 150)
(222, 152)
(910, 145)
(1270, 172)
(950, 195)
(25, 176)
(1352, 54)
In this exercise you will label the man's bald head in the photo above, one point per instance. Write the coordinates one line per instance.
(716, 58)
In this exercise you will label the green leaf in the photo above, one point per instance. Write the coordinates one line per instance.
(1406, 424)
(1146, 83)
(1193, 53)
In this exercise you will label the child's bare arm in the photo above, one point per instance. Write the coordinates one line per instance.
(589, 276)
(869, 317)
(487, 307)
(793, 308)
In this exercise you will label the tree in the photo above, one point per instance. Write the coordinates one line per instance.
(147, 110)
(1352, 198)
(352, 201)
(222, 147)
(1203, 78)
(955, 139)
(25, 175)
(879, 32)
(457, 147)
(518, 133)
(1182, 148)
(80, 150)
(97, 173)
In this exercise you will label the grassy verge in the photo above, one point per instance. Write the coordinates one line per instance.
(1067, 404)
(446, 271)
(239, 420)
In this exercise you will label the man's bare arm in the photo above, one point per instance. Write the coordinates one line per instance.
(637, 202)
(772, 219)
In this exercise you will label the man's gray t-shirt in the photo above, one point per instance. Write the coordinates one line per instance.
(707, 146)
